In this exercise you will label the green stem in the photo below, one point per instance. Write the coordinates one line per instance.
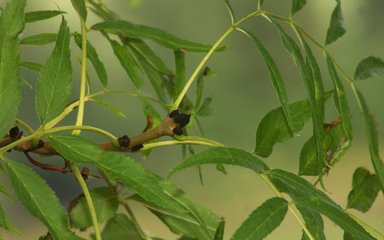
(290, 208)
(25, 126)
(183, 140)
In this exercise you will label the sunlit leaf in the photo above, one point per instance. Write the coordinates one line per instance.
(297, 5)
(11, 25)
(106, 206)
(263, 220)
(365, 187)
(80, 8)
(180, 78)
(305, 195)
(120, 227)
(55, 78)
(40, 200)
(222, 155)
(94, 58)
(41, 15)
(155, 34)
(336, 27)
(369, 67)
(39, 39)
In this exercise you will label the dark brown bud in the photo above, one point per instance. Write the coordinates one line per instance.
(174, 113)
(14, 132)
(178, 131)
(137, 147)
(182, 119)
(124, 141)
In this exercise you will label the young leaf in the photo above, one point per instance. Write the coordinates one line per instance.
(297, 5)
(369, 67)
(222, 155)
(116, 166)
(40, 200)
(41, 15)
(31, 66)
(336, 27)
(39, 39)
(80, 8)
(106, 206)
(128, 62)
(11, 25)
(263, 220)
(55, 78)
(180, 71)
(219, 234)
(365, 187)
(305, 195)
(373, 143)
(109, 106)
(144, 32)
(277, 79)
(94, 58)
(120, 227)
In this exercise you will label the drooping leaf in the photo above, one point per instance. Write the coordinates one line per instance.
(128, 62)
(369, 67)
(222, 155)
(195, 221)
(108, 105)
(11, 25)
(373, 143)
(297, 5)
(145, 32)
(180, 78)
(100, 10)
(94, 58)
(230, 10)
(120, 227)
(31, 66)
(365, 187)
(263, 220)
(305, 195)
(55, 78)
(273, 127)
(35, 194)
(276, 77)
(116, 166)
(219, 234)
(79, 6)
(106, 206)
(41, 15)
(39, 39)
(336, 27)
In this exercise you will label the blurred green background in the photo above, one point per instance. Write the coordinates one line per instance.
(242, 94)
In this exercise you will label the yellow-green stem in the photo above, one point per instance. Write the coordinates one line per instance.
(183, 140)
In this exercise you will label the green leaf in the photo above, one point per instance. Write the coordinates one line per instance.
(200, 85)
(263, 220)
(205, 108)
(219, 234)
(180, 79)
(4, 223)
(94, 58)
(369, 67)
(305, 195)
(195, 221)
(273, 127)
(373, 143)
(31, 66)
(106, 204)
(128, 62)
(108, 105)
(336, 27)
(314, 223)
(222, 155)
(79, 6)
(365, 187)
(39, 39)
(297, 5)
(41, 15)
(120, 227)
(116, 166)
(39, 199)
(11, 25)
(230, 10)
(55, 79)
(276, 77)
(144, 32)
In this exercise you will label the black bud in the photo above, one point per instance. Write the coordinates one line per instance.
(85, 173)
(182, 119)
(124, 141)
(14, 132)
(174, 113)
(178, 131)
(137, 147)
(40, 144)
